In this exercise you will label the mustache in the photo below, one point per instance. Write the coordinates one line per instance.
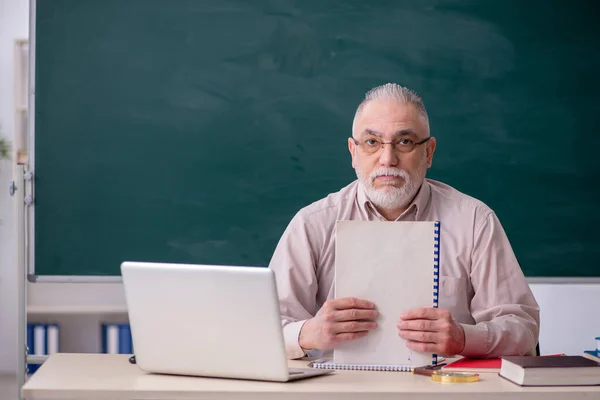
(389, 172)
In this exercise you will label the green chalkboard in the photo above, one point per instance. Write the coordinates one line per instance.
(192, 131)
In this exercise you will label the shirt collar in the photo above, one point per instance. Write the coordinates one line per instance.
(419, 203)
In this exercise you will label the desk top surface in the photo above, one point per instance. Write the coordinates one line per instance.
(101, 376)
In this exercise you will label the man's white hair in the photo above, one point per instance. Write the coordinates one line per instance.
(393, 91)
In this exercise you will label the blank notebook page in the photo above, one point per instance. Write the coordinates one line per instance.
(392, 265)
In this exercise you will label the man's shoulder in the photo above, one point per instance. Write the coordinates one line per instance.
(453, 199)
(331, 205)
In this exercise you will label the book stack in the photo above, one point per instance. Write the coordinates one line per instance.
(42, 340)
(116, 339)
(479, 365)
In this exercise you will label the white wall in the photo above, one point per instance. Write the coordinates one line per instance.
(569, 317)
(14, 24)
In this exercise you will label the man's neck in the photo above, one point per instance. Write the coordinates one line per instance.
(391, 215)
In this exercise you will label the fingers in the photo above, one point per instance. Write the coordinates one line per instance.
(346, 337)
(353, 326)
(334, 333)
(428, 342)
(420, 325)
(435, 332)
(345, 303)
(339, 320)
(424, 313)
(355, 315)
(420, 336)
(442, 324)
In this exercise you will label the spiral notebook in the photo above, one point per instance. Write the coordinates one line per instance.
(396, 266)
(327, 364)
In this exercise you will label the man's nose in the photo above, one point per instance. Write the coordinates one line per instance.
(388, 156)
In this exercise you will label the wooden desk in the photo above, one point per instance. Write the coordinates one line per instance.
(98, 376)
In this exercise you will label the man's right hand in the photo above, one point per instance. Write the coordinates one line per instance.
(338, 321)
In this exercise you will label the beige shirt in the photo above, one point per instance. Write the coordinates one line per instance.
(481, 282)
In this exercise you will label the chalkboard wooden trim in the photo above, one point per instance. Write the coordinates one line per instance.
(74, 279)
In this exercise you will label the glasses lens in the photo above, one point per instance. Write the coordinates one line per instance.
(404, 146)
(369, 146)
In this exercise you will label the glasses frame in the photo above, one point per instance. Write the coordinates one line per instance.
(393, 144)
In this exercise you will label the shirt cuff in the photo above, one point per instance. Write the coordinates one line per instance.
(291, 334)
(476, 340)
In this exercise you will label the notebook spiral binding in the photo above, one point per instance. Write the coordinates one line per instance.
(436, 272)
(354, 367)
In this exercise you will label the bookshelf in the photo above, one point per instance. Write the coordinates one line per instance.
(79, 309)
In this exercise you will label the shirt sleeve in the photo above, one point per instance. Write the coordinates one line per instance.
(503, 306)
(294, 265)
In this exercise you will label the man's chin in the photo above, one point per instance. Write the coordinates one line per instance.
(389, 193)
(388, 188)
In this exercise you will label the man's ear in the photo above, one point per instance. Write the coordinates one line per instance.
(352, 150)
(430, 149)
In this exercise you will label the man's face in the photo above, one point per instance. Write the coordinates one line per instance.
(391, 178)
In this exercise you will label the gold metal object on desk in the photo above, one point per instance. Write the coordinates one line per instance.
(454, 377)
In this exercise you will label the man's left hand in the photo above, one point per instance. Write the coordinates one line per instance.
(431, 330)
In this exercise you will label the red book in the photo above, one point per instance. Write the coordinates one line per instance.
(474, 365)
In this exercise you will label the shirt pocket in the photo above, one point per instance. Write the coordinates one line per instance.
(454, 297)
(450, 286)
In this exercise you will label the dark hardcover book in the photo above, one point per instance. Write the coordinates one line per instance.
(550, 370)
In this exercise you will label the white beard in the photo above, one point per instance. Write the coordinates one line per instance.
(390, 197)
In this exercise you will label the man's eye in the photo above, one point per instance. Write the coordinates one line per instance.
(372, 142)
(405, 142)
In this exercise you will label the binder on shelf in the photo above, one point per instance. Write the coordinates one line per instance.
(31, 368)
(42, 340)
(116, 339)
(52, 339)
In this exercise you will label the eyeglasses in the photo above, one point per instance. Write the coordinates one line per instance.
(402, 145)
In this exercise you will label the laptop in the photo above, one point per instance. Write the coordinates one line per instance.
(207, 320)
